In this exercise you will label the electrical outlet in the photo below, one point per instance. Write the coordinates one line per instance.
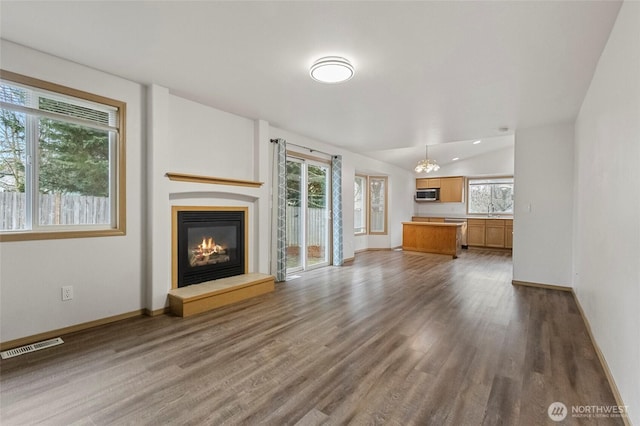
(67, 292)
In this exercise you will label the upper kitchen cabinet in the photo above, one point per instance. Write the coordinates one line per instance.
(427, 183)
(451, 189)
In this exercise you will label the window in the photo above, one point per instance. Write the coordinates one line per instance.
(360, 205)
(377, 204)
(61, 161)
(490, 196)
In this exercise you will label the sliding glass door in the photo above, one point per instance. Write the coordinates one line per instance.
(308, 213)
(317, 214)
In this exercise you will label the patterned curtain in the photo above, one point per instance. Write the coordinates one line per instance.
(336, 194)
(280, 189)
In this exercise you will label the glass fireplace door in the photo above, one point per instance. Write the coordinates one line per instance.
(308, 213)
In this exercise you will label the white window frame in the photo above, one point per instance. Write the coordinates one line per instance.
(492, 180)
(364, 205)
(117, 164)
(385, 205)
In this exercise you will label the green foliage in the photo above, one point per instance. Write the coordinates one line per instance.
(316, 185)
(294, 170)
(73, 159)
(12, 151)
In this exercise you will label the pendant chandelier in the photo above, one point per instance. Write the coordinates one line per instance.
(426, 165)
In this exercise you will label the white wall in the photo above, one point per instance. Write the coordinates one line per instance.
(209, 142)
(106, 273)
(495, 163)
(607, 205)
(188, 137)
(401, 187)
(118, 275)
(543, 205)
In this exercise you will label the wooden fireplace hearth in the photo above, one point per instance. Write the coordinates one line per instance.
(197, 298)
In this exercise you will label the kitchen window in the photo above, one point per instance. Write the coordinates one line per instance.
(489, 196)
(61, 161)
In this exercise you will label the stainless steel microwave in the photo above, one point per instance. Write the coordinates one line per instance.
(431, 194)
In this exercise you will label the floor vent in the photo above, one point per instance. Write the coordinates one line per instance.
(31, 348)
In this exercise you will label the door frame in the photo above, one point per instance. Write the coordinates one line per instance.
(305, 160)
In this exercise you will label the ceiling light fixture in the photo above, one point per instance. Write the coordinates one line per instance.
(426, 165)
(331, 69)
(477, 142)
(455, 159)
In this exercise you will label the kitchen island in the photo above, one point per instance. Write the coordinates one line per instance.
(432, 237)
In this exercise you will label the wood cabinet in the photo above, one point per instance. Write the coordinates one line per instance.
(426, 183)
(476, 232)
(442, 238)
(451, 189)
(508, 233)
(495, 233)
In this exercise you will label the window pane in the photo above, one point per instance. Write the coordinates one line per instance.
(317, 214)
(502, 198)
(13, 161)
(59, 161)
(359, 201)
(294, 216)
(317, 186)
(378, 196)
(489, 196)
(479, 198)
(73, 178)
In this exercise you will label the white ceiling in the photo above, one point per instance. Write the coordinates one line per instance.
(426, 72)
(443, 153)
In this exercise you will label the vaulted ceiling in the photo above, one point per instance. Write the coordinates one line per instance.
(426, 72)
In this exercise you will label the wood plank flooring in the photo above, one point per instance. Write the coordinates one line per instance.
(395, 338)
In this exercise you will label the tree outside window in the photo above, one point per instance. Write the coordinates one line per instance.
(59, 161)
(490, 196)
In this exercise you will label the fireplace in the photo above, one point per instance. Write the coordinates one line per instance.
(208, 243)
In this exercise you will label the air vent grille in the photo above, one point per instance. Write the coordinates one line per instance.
(31, 348)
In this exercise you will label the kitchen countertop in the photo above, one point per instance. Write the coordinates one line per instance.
(464, 217)
(432, 224)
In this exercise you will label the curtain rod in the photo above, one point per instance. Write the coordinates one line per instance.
(311, 150)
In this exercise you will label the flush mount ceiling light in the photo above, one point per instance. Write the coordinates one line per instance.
(477, 142)
(426, 165)
(331, 69)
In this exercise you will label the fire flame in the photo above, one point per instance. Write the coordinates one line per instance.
(209, 247)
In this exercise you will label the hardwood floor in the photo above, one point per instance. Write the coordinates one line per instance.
(394, 338)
